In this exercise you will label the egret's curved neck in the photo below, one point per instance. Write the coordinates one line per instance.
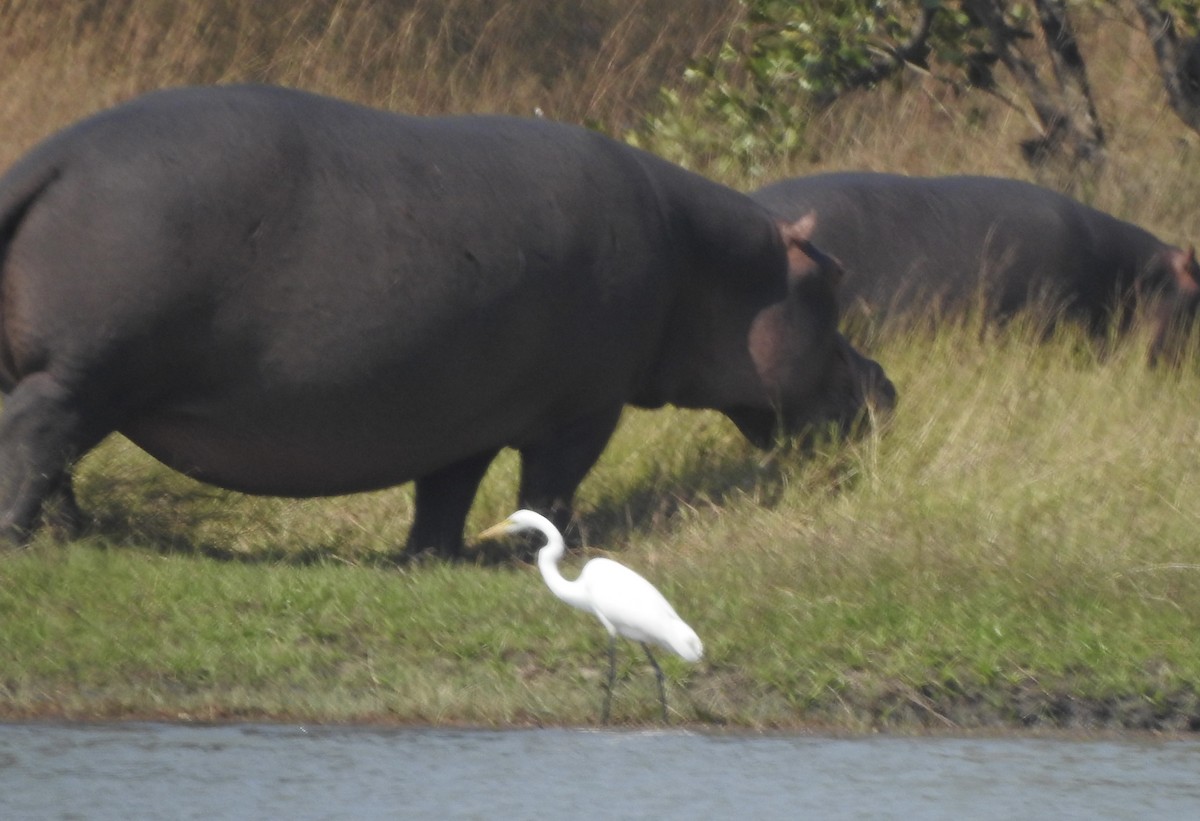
(548, 558)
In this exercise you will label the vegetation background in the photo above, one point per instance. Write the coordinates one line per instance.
(1015, 548)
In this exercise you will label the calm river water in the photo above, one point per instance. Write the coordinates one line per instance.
(134, 771)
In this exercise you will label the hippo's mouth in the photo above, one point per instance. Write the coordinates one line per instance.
(765, 429)
(760, 426)
(862, 400)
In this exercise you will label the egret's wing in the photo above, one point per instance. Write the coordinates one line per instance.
(634, 607)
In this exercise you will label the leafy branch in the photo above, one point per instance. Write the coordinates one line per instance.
(749, 104)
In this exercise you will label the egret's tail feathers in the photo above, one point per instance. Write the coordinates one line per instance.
(685, 643)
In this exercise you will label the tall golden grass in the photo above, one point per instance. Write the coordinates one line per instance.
(600, 63)
(597, 62)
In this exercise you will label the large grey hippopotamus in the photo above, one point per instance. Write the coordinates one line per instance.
(922, 244)
(282, 293)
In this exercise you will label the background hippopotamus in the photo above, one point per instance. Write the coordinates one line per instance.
(943, 244)
(282, 293)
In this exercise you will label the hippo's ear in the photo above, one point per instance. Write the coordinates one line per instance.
(801, 230)
(1183, 267)
(804, 258)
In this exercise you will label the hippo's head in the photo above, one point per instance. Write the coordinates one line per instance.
(806, 372)
(1176, 307)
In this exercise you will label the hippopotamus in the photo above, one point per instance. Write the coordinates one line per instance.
(282, 293)
(938, 245)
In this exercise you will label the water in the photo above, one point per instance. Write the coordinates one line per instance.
(134, 771)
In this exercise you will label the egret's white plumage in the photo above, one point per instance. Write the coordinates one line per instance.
(624, 602)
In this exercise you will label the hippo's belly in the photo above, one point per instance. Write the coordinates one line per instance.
(358, 440)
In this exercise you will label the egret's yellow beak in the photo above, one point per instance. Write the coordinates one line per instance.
(495, 531)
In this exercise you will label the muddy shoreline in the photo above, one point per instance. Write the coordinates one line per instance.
(1021, 710)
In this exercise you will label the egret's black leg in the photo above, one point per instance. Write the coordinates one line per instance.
(612, 676)
(662, 691)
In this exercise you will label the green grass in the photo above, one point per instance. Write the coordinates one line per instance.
(1015, 546)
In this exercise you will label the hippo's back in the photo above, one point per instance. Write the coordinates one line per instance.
(921, 243)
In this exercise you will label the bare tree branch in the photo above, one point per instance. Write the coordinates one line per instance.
(913, 50)
(1071, 74)
(1176, 62)
(1063, 118)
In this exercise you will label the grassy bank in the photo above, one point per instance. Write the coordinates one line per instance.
(1016, 547)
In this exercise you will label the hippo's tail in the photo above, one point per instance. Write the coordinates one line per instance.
(19, 189)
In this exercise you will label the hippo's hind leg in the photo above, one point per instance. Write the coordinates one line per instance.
(554, 465)
(42, 433)
(443, 500)
(61, 511)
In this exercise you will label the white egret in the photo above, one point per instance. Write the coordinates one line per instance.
(624, 602)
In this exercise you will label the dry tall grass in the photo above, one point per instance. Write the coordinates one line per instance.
(595, 62)
(599, 63)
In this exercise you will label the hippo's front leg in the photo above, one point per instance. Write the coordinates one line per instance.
(443, 500)
(554, 465)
